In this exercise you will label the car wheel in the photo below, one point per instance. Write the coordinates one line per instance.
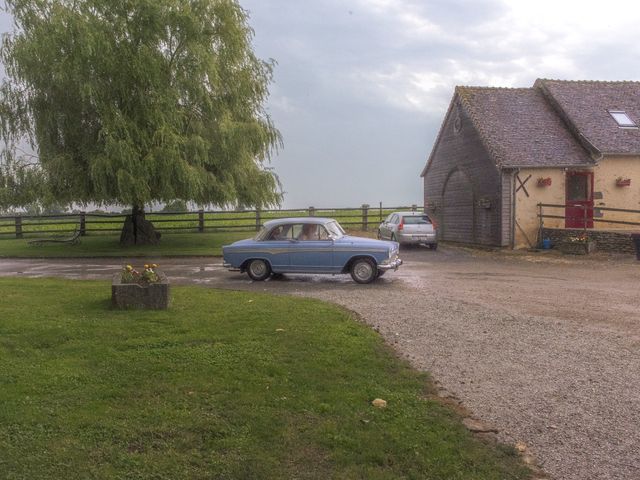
(258, 270)
(364, 270)
(433, 246)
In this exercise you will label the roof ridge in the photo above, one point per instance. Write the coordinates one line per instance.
(588, 81)
(480, 87)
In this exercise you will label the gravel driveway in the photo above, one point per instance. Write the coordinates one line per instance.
(544, 348)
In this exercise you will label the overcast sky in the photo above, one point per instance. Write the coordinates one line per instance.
(361, 86)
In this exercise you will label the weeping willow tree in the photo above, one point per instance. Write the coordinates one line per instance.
(134, 101)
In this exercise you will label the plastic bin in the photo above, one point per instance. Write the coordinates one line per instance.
(636, 239)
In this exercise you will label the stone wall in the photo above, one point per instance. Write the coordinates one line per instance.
(606, 241)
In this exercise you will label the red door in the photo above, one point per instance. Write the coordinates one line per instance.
(579, 197)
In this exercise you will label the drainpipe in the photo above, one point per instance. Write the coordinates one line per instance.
(513, 207)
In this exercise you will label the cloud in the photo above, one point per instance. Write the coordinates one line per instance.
(361, 86)
(433, 46)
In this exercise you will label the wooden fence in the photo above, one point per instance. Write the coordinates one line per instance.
(364, 217)
(589, 214)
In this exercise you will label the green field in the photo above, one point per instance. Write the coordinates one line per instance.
(174, 242)
(222, 385)
(183, 222)
(185, 244)
(171, 245)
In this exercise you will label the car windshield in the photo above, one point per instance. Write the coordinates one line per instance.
(416, 220)
(334, 229)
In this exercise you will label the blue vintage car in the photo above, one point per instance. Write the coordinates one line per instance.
(310, 245)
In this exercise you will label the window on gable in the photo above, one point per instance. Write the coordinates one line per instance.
(622, 119)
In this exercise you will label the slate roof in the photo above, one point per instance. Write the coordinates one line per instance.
(520, 128)
(584, 106)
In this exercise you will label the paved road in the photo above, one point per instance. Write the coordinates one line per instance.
(544, 348)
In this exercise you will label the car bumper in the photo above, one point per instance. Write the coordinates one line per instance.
(410, 238)
(390, 266)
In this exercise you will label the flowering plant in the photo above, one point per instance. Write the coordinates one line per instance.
(582, 238)
(148, 275)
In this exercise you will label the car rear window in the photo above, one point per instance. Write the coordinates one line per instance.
(416, 220)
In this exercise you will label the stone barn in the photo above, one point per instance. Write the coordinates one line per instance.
(571, 146)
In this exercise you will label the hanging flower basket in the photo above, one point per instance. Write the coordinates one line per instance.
(623, 182)
(544, 182)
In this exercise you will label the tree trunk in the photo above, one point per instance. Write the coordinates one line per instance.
(137, 230)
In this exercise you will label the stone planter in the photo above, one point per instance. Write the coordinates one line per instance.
(577, 248)
(154, 296)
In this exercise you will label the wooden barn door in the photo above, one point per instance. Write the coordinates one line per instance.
(457, 221)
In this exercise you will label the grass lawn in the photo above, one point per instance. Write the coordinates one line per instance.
(108, 246)
(222, 385)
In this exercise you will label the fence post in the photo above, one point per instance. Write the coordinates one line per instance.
(541, 219)
(83, 224)
(541, 222)
(365, 216)
(257, 219)
(312, 211)
(414, 208)
(18, 227)
(201, 221)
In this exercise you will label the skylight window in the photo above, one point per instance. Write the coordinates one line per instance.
(622, 119)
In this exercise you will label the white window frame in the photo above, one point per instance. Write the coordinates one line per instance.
(624, 124)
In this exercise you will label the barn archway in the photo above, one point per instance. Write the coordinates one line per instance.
(457, 202)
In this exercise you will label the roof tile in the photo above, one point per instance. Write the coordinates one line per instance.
(521, 129)
(585, 106)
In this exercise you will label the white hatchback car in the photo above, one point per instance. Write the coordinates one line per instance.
(409, 228)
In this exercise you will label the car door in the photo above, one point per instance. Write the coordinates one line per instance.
(314, 253)
(385, 228)
(392, 226)
(275, 248)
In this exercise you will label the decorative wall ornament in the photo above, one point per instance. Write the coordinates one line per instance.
(484, 202)
(522, 184)
(457, 124)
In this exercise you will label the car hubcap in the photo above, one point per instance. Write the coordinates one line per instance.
(258, 268)
(363, 271)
